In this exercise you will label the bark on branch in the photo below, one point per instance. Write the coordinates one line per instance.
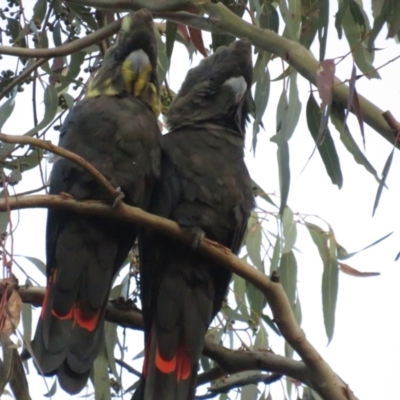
(322, 378)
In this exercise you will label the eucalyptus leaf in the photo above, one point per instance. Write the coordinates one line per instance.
(330, 283)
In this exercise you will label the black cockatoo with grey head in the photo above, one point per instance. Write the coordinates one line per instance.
(206, 188)
(114, 128)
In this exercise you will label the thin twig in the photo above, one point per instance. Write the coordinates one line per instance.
(23, 140)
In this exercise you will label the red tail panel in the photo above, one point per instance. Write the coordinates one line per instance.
(63, 317)
(183, 363)
(88, 323)
(165, 366)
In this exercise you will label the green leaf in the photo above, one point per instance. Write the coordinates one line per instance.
(85, 14)
(4, 214)
(26, 315)
(39, 11)
(249, 392)
(394, 20)
(17, 32)
(338, 117)
(253, 241)
(271, 324)
(293, 110)
(57, 34)
(261, 341)
(269, 17)
(276, 255)
(385, 173)
(239, 289)
(101, 380)
(52, 390)
(284, 170)
(323, 27)
(381, 17)
(326, 148)
(261, 95)
(69, 100)
(288, 276)
(344, 255)
(310, 21)
(297, 311)
(6, 110)
(291, 14)
(257, 303)
(355, 32)
(40, 265)
(330, 283)
(74, 68)
(50, 104)
(24, 163)
(110, 330)
(320, 239)
(258, 191)
(289, 230)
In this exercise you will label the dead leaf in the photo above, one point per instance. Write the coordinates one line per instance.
(325, 80)
(196, 36)
(353, 272)
(12, 313)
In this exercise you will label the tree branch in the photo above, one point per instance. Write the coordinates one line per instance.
(24, 140)
(322, 377)
(64, 49)
(249, 380)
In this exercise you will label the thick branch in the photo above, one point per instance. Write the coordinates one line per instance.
(23, 140)
(322, 377)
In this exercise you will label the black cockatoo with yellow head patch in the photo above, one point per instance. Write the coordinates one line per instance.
(205, 187)
(114, 128)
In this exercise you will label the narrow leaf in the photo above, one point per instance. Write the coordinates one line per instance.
(320, 239)
(354, 272)
(327, 149)
(323, 25)
(253, 241)
(289, 230)
(196, 36)
(338, 119)
(330, 282)
(288, 276)
(261, 95)
(385, 173)
(343, 255)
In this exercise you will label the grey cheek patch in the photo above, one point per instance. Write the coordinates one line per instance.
(238, 85)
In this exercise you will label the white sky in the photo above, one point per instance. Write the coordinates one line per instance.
(365, 350)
